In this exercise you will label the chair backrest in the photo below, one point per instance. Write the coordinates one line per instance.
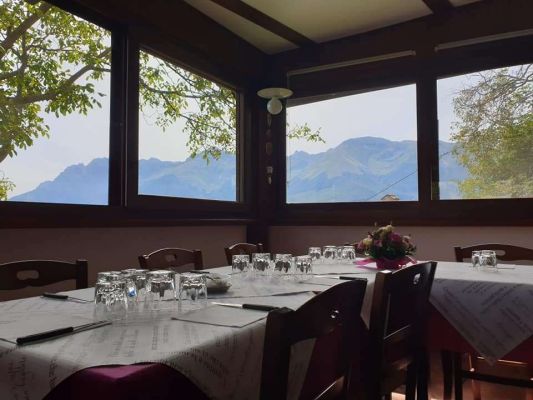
(242, 248)
(397, 324)
(339, 307)
(172, 258)
(504, 252)
(47, 271)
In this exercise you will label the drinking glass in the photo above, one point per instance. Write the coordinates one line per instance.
(330, 254)
(192, 287)
(136, 279)
(240, 263)
(315, 253)
(348, 253)
(303, 268)
(161, 286)
(108, 275)
(283, 264)
(102, 291)
(339, 254)
(488, 259)
(110, 299)
(476, 258)
(261, 264)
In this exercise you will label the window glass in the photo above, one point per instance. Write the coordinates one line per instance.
(364, 148)
(54, 105)
(486, 134)
(187, 134)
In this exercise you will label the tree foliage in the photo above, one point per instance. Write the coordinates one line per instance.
(51, 62)
(494, 133)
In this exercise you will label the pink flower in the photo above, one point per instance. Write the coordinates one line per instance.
(395, 238)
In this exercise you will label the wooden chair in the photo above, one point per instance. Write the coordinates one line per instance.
(397, 329)
(339, 307)
(503, 372)
(242, 248)
(172, 258)
(48, 272)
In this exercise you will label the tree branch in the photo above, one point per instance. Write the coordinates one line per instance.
(52, 95)
(20, 30)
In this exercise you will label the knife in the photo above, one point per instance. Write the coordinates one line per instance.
(63, 297)
(59, 332)
(344, 278)
(260, 307)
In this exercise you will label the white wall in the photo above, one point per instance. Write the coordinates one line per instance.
(434, 243)
(113, 248)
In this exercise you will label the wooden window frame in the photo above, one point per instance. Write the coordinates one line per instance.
(125, 207)
(429, 210)
(183, 207)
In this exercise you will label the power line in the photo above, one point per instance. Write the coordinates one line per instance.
(401, 179)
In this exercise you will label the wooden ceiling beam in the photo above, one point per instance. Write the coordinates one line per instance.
(484, 18)
(263, 20)
(439, 6)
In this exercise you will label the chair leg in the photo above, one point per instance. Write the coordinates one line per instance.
(446, 358)
(457, 376)
(476, 386)
(422, 377)
(410, 384)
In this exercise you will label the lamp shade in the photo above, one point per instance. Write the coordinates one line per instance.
(274, 105)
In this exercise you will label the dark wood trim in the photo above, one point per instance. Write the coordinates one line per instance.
(118, 122)
(474, 20)
(199, 41)
(427, 131)
(439, 6)
(184, 206)
(87, 13)
(428, 211)
(132, 143)
(483, 56)
(45, 215)
(265, 21)
(309, 87)
(498, 212)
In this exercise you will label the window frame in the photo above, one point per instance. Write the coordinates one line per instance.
(118, 35)
(124, 207)
(427, 68)
(179, 205)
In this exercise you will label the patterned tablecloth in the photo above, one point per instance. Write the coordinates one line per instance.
(222, 361)
(491, 310)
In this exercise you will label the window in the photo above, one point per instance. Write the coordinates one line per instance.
(54, 106)
(187, 134)
(486, 134)
(358, 148)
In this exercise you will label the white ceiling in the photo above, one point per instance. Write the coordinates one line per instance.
(319, 20)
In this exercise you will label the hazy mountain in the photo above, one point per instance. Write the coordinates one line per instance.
(365, 169)
(357, 170)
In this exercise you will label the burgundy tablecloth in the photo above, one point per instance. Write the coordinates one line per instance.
(126, 382)
(443, 336)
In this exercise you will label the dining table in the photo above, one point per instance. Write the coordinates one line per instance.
(196, 350)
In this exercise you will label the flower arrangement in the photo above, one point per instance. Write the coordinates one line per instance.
(387, 248)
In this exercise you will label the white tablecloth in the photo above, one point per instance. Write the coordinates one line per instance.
(492, 310)
(224, 362)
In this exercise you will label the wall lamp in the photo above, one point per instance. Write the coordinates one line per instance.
(274, 105)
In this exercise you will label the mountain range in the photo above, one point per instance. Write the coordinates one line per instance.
(360, 169)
